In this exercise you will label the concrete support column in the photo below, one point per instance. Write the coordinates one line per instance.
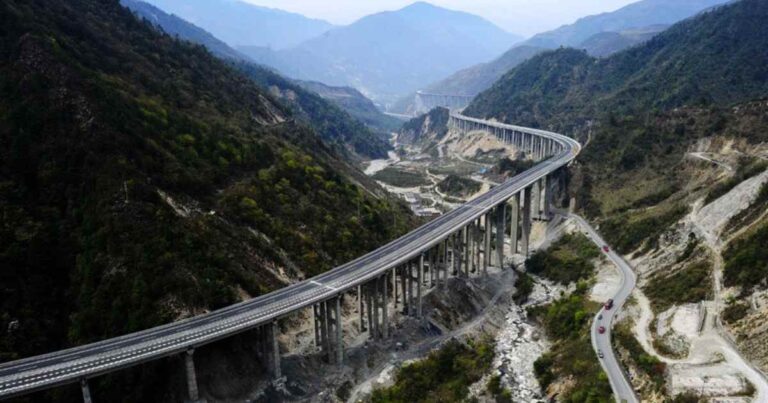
(384, 314)
(274, 332)
(318, 326)
(370, 310)
(191, 377)
(394, 287)
(536, 200)
(501, 221)
(339, 340)
(328, 329)
(375, 296)
(526, 222)
(86, 391)
(546, 197)
(479, 243)
(411, 297)
(360, 308)
(467, 248)
(403, 287)
(419, 281)
(514, 222)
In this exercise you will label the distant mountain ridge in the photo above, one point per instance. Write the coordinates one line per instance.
(243, 24)
(600, 35)
(389, 54)
(641, 14)
(333, 125)
(716, 58)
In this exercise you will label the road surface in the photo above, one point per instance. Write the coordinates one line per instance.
(68, 366)
(622, 388)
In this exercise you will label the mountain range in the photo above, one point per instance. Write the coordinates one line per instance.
(326, 115)
(601, 35)
(243, 24)
(389, 54)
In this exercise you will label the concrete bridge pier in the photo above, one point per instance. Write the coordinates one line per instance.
(86, 391)
(487, 239)
(384, 314)
(466, 250)
(404, 285)
(419, 283)
(339, 341)
(274, 331)
(393, 276)
(526, 225)
(373, 295)
(189, 365)
(514, 222)
(501, 220)
(360, 310)
(547, 196)
(536, 200)
(318, 323)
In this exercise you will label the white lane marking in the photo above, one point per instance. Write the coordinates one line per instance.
(324, 285)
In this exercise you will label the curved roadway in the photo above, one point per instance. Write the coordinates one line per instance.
(68, 366)
(622, 387)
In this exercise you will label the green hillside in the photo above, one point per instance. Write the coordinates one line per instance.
(717, 58)
(142, 180)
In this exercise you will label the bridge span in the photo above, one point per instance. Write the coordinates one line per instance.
(462, 242)
(426, 101)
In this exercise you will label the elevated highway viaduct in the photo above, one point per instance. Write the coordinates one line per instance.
(463, 242)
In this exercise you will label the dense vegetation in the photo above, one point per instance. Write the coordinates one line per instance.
(142, 181)
(435, 122)
(511, 168)
(567, 322)
(400, 178)
(444, 376)
(566, 261)
(692, 283)
(629, 231)
(331, 123)
(746, 261)
(642, 108)
(459, 186)
(624, 338)
(681, 66)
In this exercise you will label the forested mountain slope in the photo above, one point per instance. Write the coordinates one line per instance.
(674, 172)
(334, 126)
(599, 34)
(718, 58)
(142, 181)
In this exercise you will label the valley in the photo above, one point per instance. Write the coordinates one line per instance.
(216, 201)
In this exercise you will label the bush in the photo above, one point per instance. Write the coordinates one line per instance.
(691, 284)
(746, 261)
(566, 261)
(444, 376)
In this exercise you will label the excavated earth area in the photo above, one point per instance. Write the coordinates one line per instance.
(468, 156)
(702, 357)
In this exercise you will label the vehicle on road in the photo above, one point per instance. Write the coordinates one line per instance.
(600, 317)
(606, 248)
(609, 304)
(600, 354)
(601, 329)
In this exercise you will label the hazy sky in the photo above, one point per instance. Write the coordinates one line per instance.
(524, 17)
